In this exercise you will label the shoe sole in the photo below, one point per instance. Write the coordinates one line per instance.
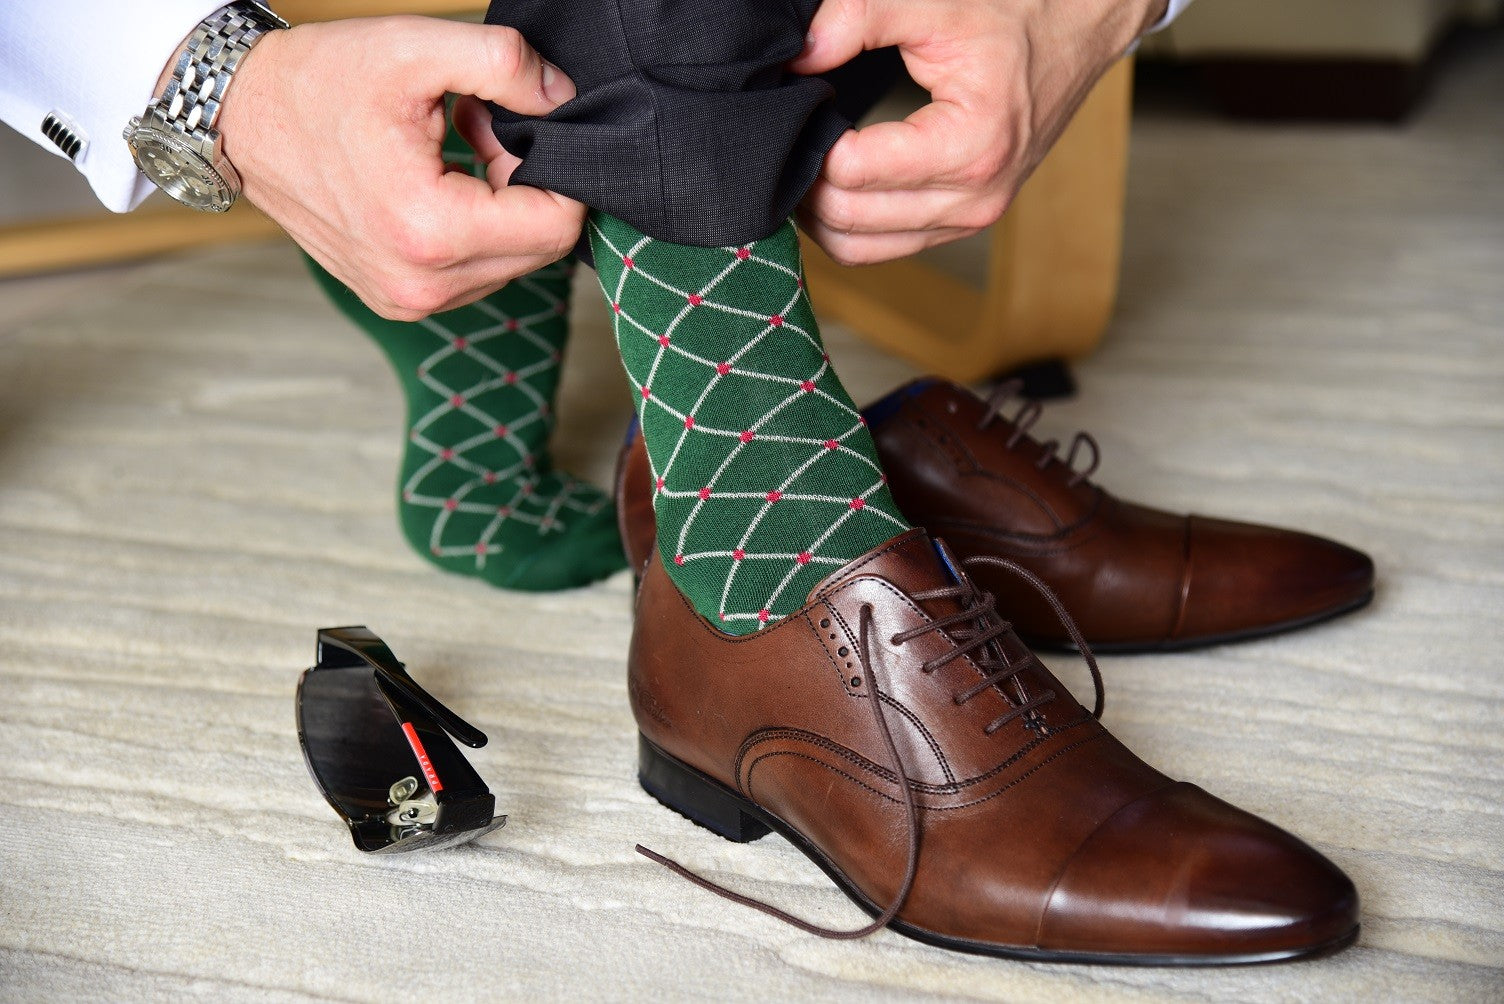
(710, 804)
(1204, 641)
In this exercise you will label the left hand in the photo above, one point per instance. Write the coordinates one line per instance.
(1004, 77)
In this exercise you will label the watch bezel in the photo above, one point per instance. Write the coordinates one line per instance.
(222, 181)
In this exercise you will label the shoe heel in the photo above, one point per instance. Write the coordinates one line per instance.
(695, 797)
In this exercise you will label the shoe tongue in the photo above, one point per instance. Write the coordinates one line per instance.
(911, 561)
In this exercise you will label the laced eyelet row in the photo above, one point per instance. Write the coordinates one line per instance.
(1023, 420)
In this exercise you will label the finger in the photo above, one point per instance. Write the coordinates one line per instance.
(835, 37)
(842, 29)
(941, 145)
(511, 220)
(472, 120)
(880, 212)
(870, 249)
(492, 62)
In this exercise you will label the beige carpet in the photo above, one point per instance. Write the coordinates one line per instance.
(1309, 335)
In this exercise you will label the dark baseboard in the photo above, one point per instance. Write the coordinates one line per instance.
(1368, 89)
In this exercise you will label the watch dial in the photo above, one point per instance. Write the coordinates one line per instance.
(190, 182)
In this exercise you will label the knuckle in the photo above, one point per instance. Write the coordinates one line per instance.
(839, 212)
(412, 297)
(417, 242)
(505, 51)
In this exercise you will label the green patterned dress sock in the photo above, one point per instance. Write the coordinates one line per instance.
(477, 493)
(765, 477)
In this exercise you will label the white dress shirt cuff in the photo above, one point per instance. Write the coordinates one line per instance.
(96, 63)
(1172, 11)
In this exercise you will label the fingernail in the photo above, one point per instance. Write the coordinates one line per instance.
(550, 75)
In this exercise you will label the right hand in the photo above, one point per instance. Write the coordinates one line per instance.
(335, 129)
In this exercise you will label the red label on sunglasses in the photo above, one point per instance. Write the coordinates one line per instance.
(422, 755)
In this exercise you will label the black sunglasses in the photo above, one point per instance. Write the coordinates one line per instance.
(378, 747)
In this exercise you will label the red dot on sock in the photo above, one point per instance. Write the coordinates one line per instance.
(451, 504)
(678, 559)
(555, 357)
(831, 444)
(723, 368)
(489, 477)
(461, 344)
(695, 299)
(457, 400)
(660, 484)
(628, 262)
(500, 431)
(861, 420)
(527, 461)
(799, 283)
(744, 253)
(407, 496)
(689, 421)
(616, 308)
(858, 503)
(738, 554)
(825, 356)
(763, 615)
(803, 557)
(807, 386)
(413, 435)
(646, 392)
(773, 496)
(542, 410)
(747, 436)
(434, 551)
(509, 379)
(511, 324)
(422, 372)
(776, 320)
(560, 308)
(883, 478)
(446, 454)
(663, 340)
(480, 548)
(504, 511)
(704, 494)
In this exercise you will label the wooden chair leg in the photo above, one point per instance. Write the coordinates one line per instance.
(1052, 269)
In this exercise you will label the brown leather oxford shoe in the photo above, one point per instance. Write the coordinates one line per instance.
(1135, 578)
(975, 805)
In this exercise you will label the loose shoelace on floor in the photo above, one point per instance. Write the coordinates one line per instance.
(1028, 413)
(977, 630)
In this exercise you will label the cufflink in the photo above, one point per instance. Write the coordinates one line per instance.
(66, 136)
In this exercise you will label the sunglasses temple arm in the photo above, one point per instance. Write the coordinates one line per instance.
(364, 644)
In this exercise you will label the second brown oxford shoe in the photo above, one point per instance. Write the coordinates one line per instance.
(898, 734)
(1135, 578)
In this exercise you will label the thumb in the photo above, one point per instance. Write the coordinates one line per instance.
(490, 61)
(836, 36)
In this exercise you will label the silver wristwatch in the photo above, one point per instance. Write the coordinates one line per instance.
(174, 141)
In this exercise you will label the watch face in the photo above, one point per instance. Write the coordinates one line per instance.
(180, 173)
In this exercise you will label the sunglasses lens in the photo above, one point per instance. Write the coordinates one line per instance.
(356, 753)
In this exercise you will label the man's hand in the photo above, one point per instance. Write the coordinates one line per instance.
(1004, 78)
(336, 130)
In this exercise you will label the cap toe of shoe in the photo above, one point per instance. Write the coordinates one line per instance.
(1180, 876)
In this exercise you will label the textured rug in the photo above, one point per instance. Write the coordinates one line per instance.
(1309, 334)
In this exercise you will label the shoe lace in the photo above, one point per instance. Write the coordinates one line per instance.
(1023, 420)
(976, 630)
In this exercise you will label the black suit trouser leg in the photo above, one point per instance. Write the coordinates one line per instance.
(686, 125)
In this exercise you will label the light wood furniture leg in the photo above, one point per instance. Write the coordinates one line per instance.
(1052, 270)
